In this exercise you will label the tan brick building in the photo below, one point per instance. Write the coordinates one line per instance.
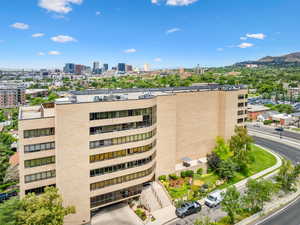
(100, 147)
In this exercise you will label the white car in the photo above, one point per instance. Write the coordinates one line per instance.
(214, 199)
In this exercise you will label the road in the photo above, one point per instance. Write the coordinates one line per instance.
(271, 131)
(290, 216)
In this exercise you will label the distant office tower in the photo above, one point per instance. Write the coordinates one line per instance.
(79, 69)
(129, 68)
(69, 68)
(105, 67)
(11, 95)
(121, 67)
(146, 67)
(96, 67)
(114, 68)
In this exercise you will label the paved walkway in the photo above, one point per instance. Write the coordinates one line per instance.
(119, 214)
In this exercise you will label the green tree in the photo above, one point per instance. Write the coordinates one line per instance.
(9, 210)
(257, 193)
(222, 148)
(227, 169)
(231, 203)
(44, 209)
(287, 176)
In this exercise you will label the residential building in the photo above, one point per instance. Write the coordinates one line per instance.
(129, 68)
(11, 95)
(146, 67)
(100, 146)
(255, 110)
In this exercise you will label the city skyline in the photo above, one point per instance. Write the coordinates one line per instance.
(163, 34)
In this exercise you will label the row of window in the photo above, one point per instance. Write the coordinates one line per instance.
(39, 147)
(39, 176)
(38, 190)
(147, 121)
(122, 113)
(121, 140)
(122, 166)
(242, 112)
(122, 179)
(116, 195)
(242, 104)
(38, 132)
(243, 96)
(241, 120)
(39, 162)
(121, 153)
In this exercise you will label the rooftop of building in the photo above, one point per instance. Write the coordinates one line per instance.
(106, 95)
(257, 108)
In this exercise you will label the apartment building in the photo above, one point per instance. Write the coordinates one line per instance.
(99, 147)
(11, 95)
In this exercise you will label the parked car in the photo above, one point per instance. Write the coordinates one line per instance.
(188, 208)
(214, 199)
(280, 129)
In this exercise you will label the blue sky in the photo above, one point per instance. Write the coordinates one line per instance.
(163, 33)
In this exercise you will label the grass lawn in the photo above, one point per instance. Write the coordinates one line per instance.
(296, 129)
(261, 161)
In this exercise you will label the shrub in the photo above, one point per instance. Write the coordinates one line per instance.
(268, 122)
(189, 173)
(182, 174)
(200, 171)
(162, 178)
(173, 176)
(140, 213)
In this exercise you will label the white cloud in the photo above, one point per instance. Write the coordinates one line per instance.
(20, 26)
(157, 59)
(243, 38)
(98, 13)
(173, 30)
(38, 35)
(63, 39)
(175, 2)
(54, 53)
(245, 45)
(40, 53)
(220, 49)
(260, 36)
(131, 50)
(58, 6)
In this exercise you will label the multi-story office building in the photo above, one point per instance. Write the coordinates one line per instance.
(96, 67)
(121, 67)
(105, 67)
(69, 68)
(11, 95)
(129, 68)
(100, 147)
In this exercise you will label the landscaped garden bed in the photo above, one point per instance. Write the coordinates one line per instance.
(225, 167)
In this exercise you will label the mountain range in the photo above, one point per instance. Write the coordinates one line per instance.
(292, 59)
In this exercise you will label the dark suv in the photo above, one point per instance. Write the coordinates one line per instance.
(188, 208)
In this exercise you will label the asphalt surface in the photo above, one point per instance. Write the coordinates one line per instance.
(290, 215)
(269, 130)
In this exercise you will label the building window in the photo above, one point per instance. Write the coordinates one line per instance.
(115, 196)
(240, 120)
(39, 147)
(39, 190)
(122, 166)
(240, 112)
(122, 179)
(241, 104)
(39, 176)
(123, 113)
(241, 96)
(38, 132)
(121, 153)
(122, 140)
(39, 162)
